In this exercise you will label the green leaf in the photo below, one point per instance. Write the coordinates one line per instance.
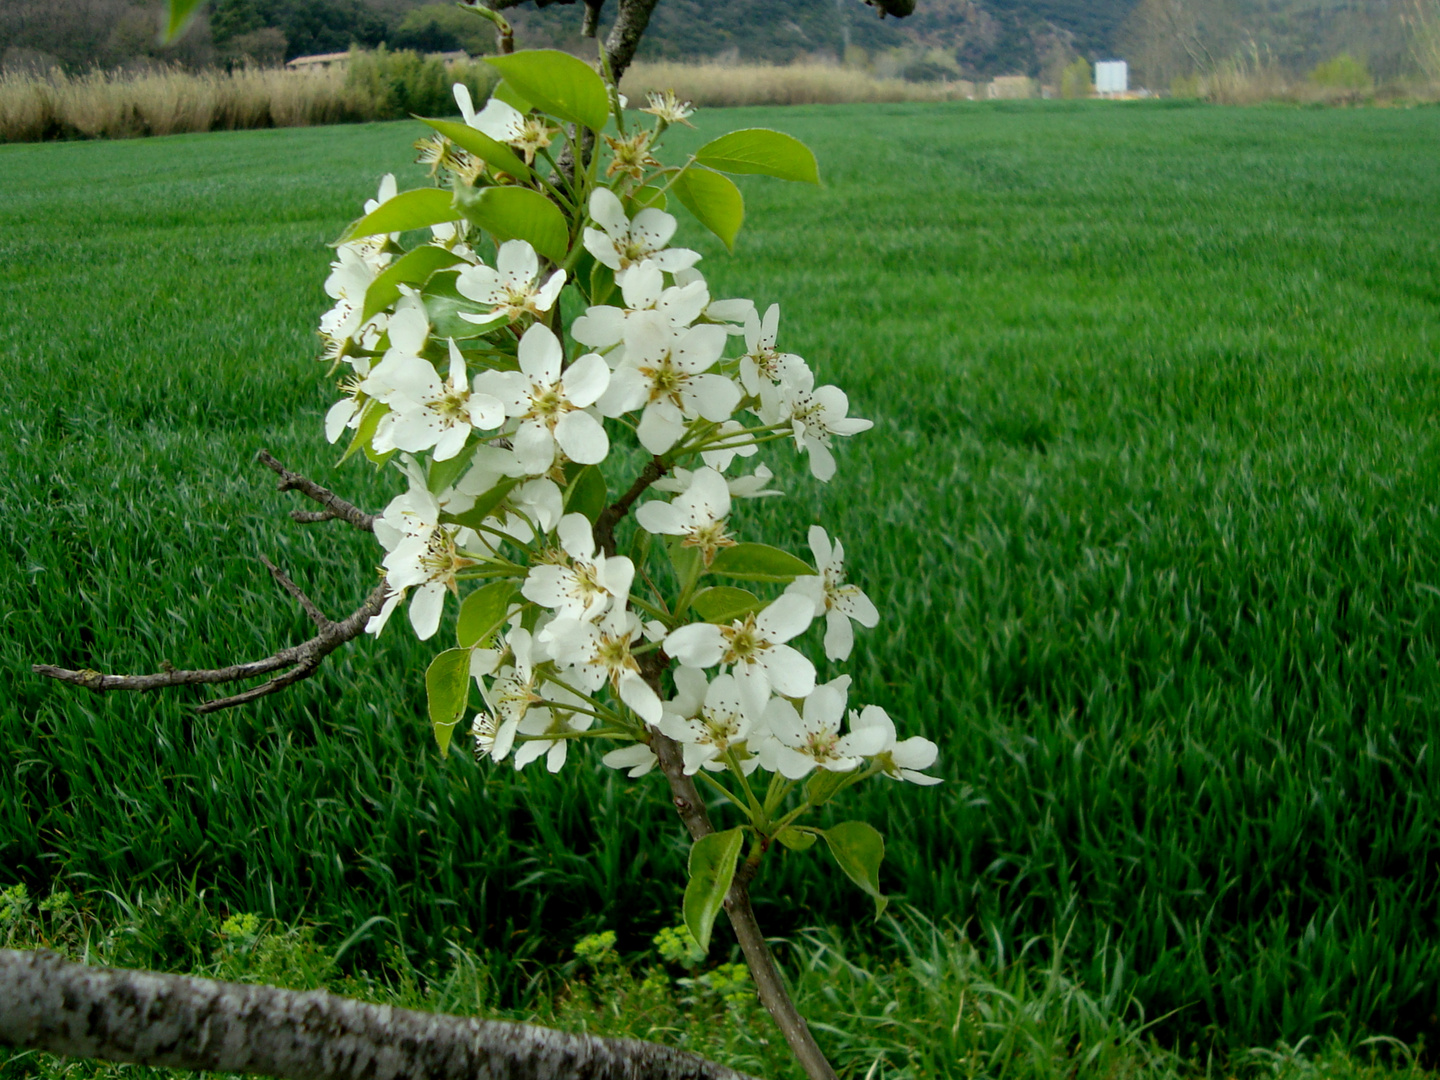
(824, 785)
(557, 83)
(712, 868)
(416, 209)
(516, 213)
(587, 493)
(643, 198)
(510, 96)
(686, 560)
(180, 14)
(441, 474)
(722, 603)
(796, 839)
(483, 612)
(447, 686)
(760, 150)
(859, 848)
(495, 154)
(713, 199)
(444, 304)
(369, 421)
(412, 268)
(484, 505)
(760, 562)
(602, 283)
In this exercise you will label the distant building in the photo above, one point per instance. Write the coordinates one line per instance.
(320, 61)
(1010, 87)
(1112, 78)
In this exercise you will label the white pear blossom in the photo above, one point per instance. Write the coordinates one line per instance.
(637, 759)
(429, 565)
(814, 415)
(698, 515)
(620, 243)
(549, 405)
(514, 689)
(805, 741)
(732, 314)
(897, 760)
(510, 288)
(741, 487)
(646, 298)
(552, 718)
(836, 601)
(346, 412)
(761, 363)
(666, 373)
(755, 649)
(669, 108)
(707, 720)
(596, 653)
(588, 585)
(428, 411)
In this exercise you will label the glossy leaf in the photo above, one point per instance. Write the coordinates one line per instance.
(557, 83)
(760, 150)
(447, 688)
(412, 268)
(712, 868)
(495, 154)
(482, 613)
(369, 420)
(760, 562)
(444, 304)
(510, 96)
(515, 213)
(722, 603)
(858, 849)
(418, 209)
(713, 199)
(587, 493)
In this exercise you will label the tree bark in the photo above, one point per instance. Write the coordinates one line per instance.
(175, 1021)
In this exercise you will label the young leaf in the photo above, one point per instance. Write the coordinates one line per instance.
(416, 209)
(587, 493)
(369, 421)
(447, 686)
(557, 83)
(441, 474)
(722, 603)
(759, 562)
(412, 268)
(796, 839)
(713, 199)
(712, 868)
(859, 848)
(602, 283)
(760, 150)
(495, 154)
(483, 612)
(823, 786)
(516, 213)
(686, 560)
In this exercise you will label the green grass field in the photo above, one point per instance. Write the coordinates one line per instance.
(1149, 511)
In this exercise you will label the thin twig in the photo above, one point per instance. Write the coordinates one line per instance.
(283, 580)
(295, 663)
(336, 508)
(611, 515)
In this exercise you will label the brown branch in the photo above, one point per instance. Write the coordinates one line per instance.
(175, 1021)
(295, 663)
(625, 34)
(336, 508)
(605, 524)
(283, 580)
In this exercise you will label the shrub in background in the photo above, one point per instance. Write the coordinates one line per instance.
(1075, 79)
(1342, 72)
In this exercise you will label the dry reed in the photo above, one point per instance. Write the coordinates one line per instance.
(716, 84)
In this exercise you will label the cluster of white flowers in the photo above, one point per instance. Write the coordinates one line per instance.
(507, 412)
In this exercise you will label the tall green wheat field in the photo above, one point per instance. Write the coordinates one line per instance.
(1150, 511)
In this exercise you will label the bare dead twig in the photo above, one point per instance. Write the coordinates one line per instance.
(336, 508)
(293, 664)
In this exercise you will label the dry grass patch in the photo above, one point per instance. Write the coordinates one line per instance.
(715, 84)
